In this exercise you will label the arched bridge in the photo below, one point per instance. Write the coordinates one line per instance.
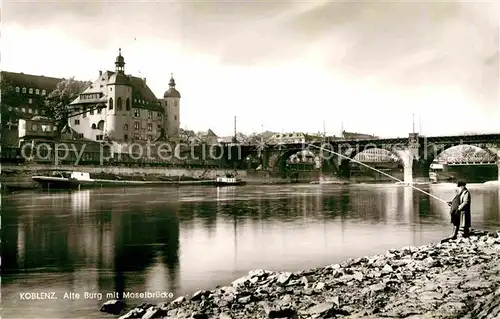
(415, 152)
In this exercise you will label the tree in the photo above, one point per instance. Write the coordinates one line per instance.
(57, 101)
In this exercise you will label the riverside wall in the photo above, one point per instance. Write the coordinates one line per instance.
(20, 175)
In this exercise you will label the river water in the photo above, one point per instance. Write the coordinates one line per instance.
(179, 240)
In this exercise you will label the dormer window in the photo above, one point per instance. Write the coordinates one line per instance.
(18, 89)
(43, 92)
(37, 92)
(24, 90)
(31, 91)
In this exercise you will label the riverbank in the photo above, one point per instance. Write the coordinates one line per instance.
(19, 176)
(457, 279)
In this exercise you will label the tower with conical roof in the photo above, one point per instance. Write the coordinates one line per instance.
(119, 94)
(171, 105)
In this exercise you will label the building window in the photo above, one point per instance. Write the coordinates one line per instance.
(111, 103)
(100, 125)
(137, 125)
(91, 111)
(30, 91)
(136, 136)
(158, 115)
(159, 127)
(18, 89)
(125, 137)
(43, 92)
(127, 104)
(24, 110)
(99, 137)
(175, 103)
(54, 128)
(150, 126)
(150, 137)
(150, 115)
(166, 103)
(34, 127)
(24, 90)
(77, 122)
(84, 111)
(136, 112)
(99, 109)
(37, 92)
(119, 104)
(30, 101)
(94, 126)
(36, 111)
(125, 127)
(30, 110)
(175, 117)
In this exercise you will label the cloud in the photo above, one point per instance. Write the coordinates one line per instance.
(254, 58)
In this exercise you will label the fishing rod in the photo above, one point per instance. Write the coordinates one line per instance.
(379, 171)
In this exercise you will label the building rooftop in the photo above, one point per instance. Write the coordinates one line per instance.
(142, 96)
(30, 80)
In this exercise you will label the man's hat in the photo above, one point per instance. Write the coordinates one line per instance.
(461, 183)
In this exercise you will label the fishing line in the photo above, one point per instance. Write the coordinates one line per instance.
(379, 171)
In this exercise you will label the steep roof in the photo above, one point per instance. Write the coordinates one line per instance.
(142, 96)
(30, 80)
(211, 133)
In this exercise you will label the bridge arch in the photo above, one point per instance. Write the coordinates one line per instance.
(310, 158)
(395, 156)
(434, 152)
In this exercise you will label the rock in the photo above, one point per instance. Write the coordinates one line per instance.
(322, 309)
(225, 315)
(453, 279)
(200, 294)
(179, 300)
(284, 278)
(113, 307)
(276, 311)
(133, 314)
(358, 276)
(387, 269)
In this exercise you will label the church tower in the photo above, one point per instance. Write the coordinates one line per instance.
(171, 104)
(119, 92)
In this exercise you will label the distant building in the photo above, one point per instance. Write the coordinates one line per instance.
(122, 108)
(23, 97)
(288, 138)
(357, 136)
(209, 137)
(36, 128)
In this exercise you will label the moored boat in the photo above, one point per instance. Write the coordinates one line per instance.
(228, 180)
(80, 180)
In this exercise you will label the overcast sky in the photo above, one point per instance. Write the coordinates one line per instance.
(288, 66)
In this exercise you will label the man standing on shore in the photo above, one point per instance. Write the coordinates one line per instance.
(460, 205)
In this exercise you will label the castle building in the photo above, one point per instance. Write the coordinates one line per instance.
(122, 108)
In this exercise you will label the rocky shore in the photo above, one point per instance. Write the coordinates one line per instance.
(456, 279)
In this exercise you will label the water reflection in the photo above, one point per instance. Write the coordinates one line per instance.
(181, 240)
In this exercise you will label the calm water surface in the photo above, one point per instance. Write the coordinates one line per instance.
(180, 240)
